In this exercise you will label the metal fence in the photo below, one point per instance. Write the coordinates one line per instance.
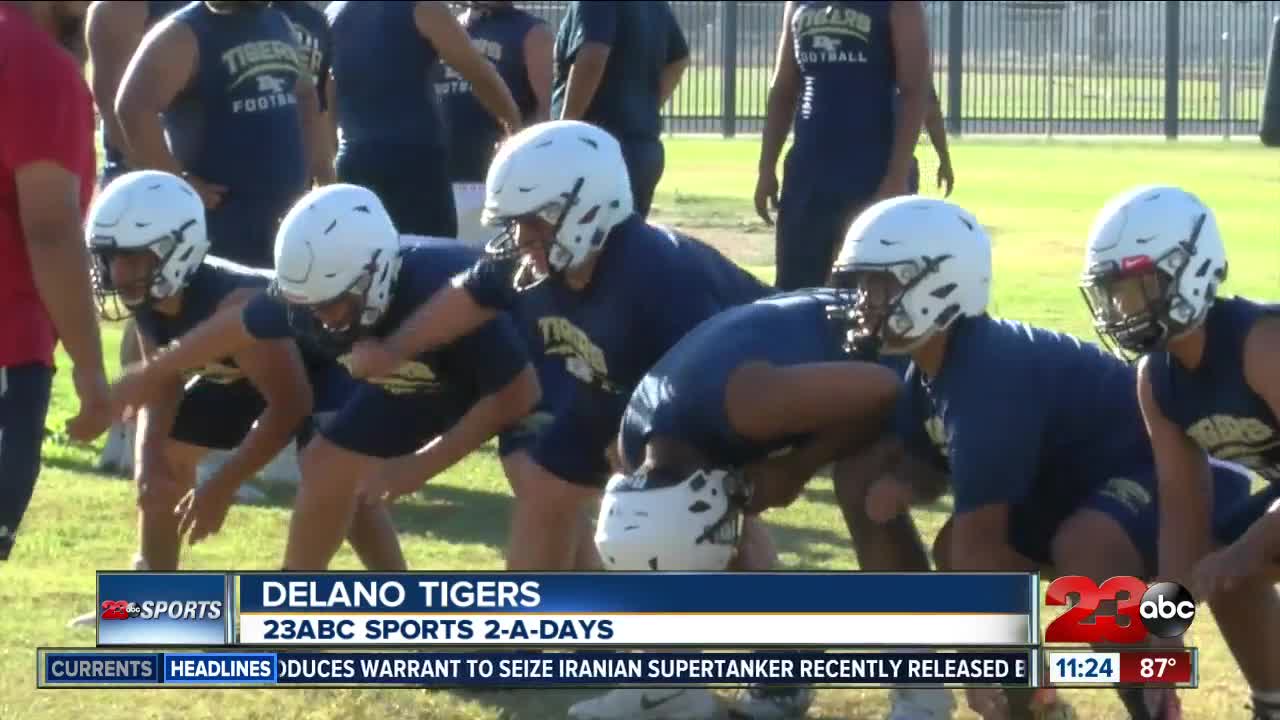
(1137, 67)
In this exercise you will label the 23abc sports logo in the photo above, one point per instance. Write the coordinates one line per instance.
(162, 610)
(1163, 609)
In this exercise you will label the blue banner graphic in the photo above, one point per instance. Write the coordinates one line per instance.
(163, 609)
(576, 593)
(535, 670)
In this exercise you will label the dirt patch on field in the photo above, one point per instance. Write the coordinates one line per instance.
(745, 240)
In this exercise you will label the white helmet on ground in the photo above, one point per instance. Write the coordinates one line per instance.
(1153, 266)
(930, 260)
(673, 522)
(338, 240)
(569, 173)
(146, 210)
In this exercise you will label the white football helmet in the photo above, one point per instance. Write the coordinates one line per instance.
(569, 173)
(1153, 266)
(146, 210)
(931, 258)
(673, 522)
(338, 240)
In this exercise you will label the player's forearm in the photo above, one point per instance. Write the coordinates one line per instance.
(221, 336)
(60, 269)
(779, 114)
(447, 316)
(670, 79)
(486, 418)
(495, 96)
(144, 140)
(1185, 534)
(584, 80)
(933, 125)
(907, 126)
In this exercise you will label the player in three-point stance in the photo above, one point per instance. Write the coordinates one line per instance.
(601, 295)
(148, 240)
(1209, 387)
(343, 272)
(736, 417)
(1040, 433)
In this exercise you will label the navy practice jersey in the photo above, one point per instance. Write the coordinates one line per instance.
(455, 376)
(315, 41)
(651, 286)
(844, 123)
(1214, 404)
(113, 164)
(643, 38)
(205, 291)
(238, 124)
(683, 396)
(499, 34)
(1018, 411)
(384, 69)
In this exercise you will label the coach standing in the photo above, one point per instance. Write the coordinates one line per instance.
(225, 82)
(519, 46)
(854, 135)
(47, 168)
(616, 65)
(386, 57)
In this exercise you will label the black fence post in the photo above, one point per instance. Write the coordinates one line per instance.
(955, 67)
(1269, 124)
(1172, 65)
(729, 69)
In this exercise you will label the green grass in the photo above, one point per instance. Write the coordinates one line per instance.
(1037, 199)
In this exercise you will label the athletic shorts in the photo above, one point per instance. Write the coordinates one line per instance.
(412, 184)
(1131, 502)
(380, 424)
(646, 160)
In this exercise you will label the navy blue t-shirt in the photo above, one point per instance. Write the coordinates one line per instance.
(454, 377)
(643, 38)
(499, 34)
(385, 70)
(205, 291)
(315, 41)
(1018, 411)
(113, 164)
(683, 395)
(650, 287)
(238, 125)
(1214, 404)
(844, 123)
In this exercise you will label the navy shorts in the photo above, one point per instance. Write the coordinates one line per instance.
(809, 233)
(413, 184)
(24, 406)
(380, 424)
(1130, 501)
(646, 160)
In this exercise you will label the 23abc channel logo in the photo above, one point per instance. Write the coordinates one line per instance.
(1163, 609)
(162, 609)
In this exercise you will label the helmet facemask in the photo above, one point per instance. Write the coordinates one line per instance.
(880, 314)
(1137, 303)
(360, 317)
(558, 257)
(155, 285)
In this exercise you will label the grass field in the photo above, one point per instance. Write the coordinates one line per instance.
(1036, 198)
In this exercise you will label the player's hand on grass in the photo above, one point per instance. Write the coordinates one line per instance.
(204, 509)
(94, 416)
(372, 358)
(946, 177)
(766, 195)
(397, 477)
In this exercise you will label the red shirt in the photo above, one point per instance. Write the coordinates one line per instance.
(47, 116)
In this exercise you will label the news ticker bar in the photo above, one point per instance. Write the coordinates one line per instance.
(1092, 668)
(704, 610)
(66, 668)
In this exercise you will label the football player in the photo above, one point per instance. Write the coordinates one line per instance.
(1209, 387)
(343, 272)
(1041, 433)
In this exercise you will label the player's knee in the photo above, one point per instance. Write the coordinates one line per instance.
(324, 471)
(157, 497)
(854, 475)
(1094, 544)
